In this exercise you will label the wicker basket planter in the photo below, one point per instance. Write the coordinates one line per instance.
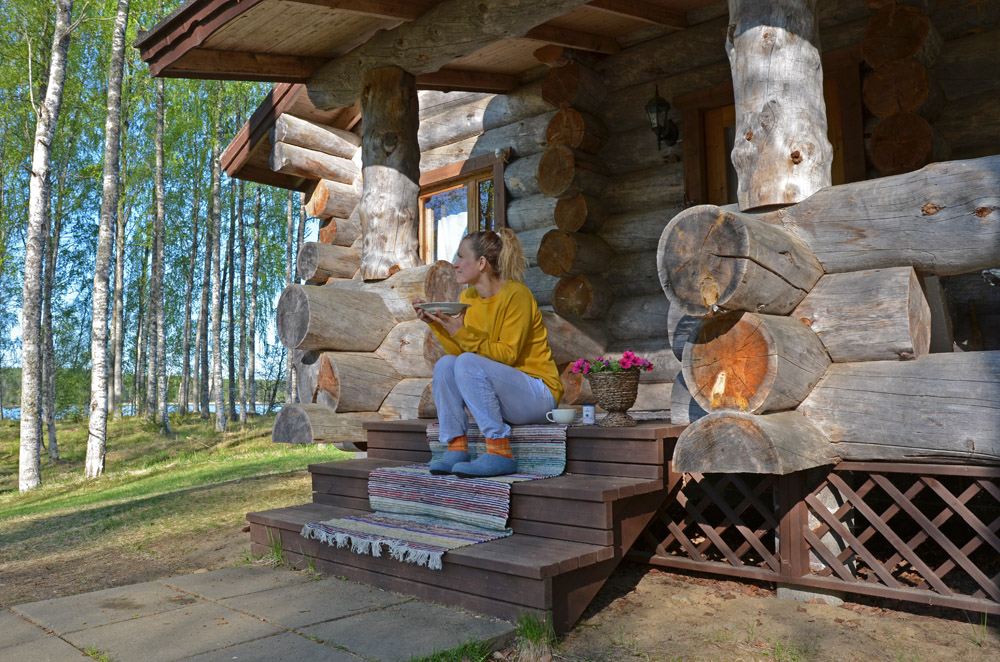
(615, 392)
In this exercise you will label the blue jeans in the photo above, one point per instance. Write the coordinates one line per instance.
(496, 394)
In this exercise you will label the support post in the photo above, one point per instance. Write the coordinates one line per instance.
(391, 173)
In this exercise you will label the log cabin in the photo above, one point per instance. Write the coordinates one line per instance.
(791, 208)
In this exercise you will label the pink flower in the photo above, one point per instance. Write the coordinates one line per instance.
(586, 368)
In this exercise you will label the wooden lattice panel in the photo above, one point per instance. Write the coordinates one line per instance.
(915, 532)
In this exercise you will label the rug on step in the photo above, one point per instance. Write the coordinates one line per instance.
(419, 516)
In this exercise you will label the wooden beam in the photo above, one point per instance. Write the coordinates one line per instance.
(452, 29)
(241, 65)
(643, 11)
(448, 80)
(583, 41)
(404, 10)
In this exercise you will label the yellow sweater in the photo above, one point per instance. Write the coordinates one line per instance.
(507, 328)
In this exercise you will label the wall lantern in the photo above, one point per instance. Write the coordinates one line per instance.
(664, 128)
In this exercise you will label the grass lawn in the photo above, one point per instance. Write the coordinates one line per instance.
(164, 504)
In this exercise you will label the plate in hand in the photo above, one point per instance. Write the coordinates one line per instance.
(443, 307)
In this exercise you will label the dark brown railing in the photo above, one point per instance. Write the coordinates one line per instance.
(917, 532)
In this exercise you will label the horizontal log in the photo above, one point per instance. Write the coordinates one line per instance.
(329, 198)
(435, 102)
(904, 142)
(942, 219)
(736, 442)
(531, 213)
(898, 32)
(684, 409)
(571, 338)
(411, 349)
(574, 85)
(310, 164)
(517, 140)
(959, 69)
(576, 387)
(564, 173)
(903, 86)
(657, 351)
(876, 315)
(968, 128)
(521, 176)
(581, 295)
(634, 318)
(541, 284)
(430, 282)
(317, 137)
(636, 149)
(576, 129)
(627, 232)
(531, 241)
(306, 373)
(653, 396)
(319, 318)
(711, 259)
(318, 424)
(633, 274)
(752, 363)
(938, 408)
(354, 381)
(661, 187)
(341, 231)
(408, 400)
(581, 213)
(319, 262)
(571, 253)
(480, 113)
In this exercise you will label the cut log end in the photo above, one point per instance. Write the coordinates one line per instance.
(734, 442)
(293, 316)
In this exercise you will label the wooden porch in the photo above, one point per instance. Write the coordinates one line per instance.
(570, 532)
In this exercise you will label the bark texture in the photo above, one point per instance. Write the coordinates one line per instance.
(782, 154)
(391, 173)
(216, 221)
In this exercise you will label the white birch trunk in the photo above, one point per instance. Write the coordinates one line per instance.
(220, 407)
(29, 476)
(252, 362)
(230, 297)
(243, 310)
(204, 313)
(188, 291)
(162, 384)
(290, 265)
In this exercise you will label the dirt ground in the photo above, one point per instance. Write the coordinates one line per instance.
(643, 614)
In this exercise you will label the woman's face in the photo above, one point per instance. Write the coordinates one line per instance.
(467, 265)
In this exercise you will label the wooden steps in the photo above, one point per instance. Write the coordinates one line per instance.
(570, 532)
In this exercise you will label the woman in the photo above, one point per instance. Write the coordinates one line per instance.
(498, 363)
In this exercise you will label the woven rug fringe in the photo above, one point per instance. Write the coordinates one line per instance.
(361, 544)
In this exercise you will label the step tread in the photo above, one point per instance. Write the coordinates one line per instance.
(650, 430)
(526, 556)
(580, 487)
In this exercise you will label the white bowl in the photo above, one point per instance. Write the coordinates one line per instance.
(443, 307)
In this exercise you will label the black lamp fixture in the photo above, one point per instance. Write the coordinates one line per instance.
(664, 128)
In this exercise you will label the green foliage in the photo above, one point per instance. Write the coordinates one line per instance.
(535, 630)
(470, 651)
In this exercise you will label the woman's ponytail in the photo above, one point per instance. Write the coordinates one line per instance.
(512, 261)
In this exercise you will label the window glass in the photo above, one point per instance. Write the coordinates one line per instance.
(486, 204)
(450, 211)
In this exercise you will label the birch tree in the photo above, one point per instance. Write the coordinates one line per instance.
(188, 289)
(96, 440)
(29, 468)
(252, 359)
(243, 308)
(159, 270)
(220, 408)
(231, 297)
(203, 311)
(290, 390)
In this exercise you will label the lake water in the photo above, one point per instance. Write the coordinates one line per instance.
(14, 413)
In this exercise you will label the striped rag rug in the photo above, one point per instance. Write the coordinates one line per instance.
(418, 516)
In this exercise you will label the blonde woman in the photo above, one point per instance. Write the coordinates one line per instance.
(498, 365)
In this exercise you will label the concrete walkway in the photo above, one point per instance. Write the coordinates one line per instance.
(248, 613)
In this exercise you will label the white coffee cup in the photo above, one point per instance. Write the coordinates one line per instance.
(563, 416)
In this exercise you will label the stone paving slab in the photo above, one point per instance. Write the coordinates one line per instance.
(88, 610)
(230, 582)
(172, 635)
(49, 648)
(412, 629)
(15, 630)
(300, 605)
(288, 646)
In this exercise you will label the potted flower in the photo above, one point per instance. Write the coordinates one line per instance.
(615, 385)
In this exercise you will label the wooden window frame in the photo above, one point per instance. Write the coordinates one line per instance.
(475, 169)
(842, 66)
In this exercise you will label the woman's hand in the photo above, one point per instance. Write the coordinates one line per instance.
(451, 323)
